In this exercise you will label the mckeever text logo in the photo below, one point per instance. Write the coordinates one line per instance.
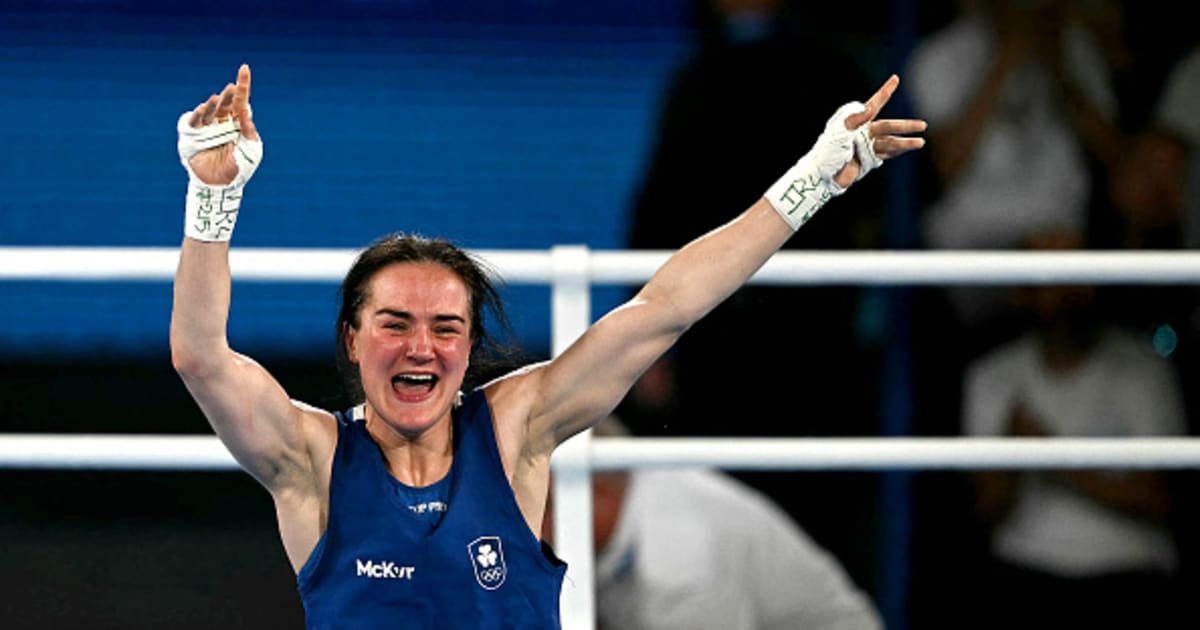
(383, 570)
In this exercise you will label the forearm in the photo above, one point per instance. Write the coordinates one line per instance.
(1142, 494)
(220, 149)
(710, 268)
(722, 260)
(586, 382)
(954, 144)
(1100, 136)
(200, 310)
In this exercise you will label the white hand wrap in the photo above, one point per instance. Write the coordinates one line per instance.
(864, 150)
(211, 209)
(808, 184)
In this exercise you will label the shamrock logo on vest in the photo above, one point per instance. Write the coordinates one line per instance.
(487, 558)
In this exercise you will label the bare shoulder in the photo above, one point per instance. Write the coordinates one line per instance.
(514, 400)
(513, 395)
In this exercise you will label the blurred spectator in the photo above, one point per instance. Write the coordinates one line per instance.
(1154, 194)
(1147, 211)
(1153, 182)
(1146, 190)
(696, 549)
(1154, 199)
(1075, 548)
(1021, 111)
(1175, 117)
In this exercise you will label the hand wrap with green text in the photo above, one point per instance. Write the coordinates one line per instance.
(808, 184)
(211, 209)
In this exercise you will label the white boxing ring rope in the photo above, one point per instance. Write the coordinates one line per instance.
(571, 271)
(203, 452)
(870, 267)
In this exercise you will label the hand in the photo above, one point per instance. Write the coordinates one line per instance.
(216, 166)
(885, 135)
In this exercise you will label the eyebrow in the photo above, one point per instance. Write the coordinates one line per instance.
(407, 315)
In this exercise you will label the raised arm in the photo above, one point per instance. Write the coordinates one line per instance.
(220, 148)
(588, 380)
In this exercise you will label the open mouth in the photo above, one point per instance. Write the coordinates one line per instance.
(413, 384)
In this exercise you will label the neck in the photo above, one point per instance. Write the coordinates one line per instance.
(418, 459)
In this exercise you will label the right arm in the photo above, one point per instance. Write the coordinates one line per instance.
(277, 441)
(247, 408)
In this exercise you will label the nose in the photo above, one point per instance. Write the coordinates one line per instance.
(420, 345)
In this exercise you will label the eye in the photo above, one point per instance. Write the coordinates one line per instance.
(396, 326)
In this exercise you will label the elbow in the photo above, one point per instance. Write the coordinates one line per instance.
(185, 361)
(192, 360)
(664, 313)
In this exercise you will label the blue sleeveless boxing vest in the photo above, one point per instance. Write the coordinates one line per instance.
(456, 554)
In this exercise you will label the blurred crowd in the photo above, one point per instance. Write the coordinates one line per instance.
(1054, 125)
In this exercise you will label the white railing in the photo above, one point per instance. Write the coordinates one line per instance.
(105, 451)
(613, 267)
(572, 271)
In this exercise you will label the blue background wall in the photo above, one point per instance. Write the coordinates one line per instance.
(500, 125)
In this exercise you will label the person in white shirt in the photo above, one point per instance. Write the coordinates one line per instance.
(1021, 106)
(1068, 546)
(696, 549)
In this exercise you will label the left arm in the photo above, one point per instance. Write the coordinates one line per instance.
(566, 395)
(590, 377)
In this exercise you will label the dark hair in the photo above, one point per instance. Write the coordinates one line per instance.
(489, 355)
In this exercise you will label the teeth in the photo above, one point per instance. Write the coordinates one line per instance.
(417, 378)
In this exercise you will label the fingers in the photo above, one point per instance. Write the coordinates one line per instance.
(241, 103)
(243, 88)
(225, 104)
(232, 102)
(216, 109)
(875, 103)
(889, 136)
(247, 125)
(204, 112)
(890, 146)
(882, 96)
(892, 126)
